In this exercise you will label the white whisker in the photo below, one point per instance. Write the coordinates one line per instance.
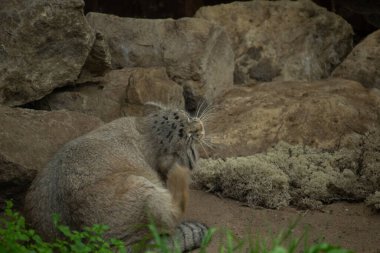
(199, 108)
(208, 110)
(210, 145)
(186, 114)
(204, 150)
(208, 116)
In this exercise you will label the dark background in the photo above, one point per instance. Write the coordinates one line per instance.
(363, 15)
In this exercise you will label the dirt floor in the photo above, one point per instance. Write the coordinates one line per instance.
(350, 225)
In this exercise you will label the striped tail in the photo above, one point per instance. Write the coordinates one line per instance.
(188, 236)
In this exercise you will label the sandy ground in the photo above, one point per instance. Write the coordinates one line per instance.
(350, 225)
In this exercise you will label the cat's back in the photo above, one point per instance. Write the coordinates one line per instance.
(112, 148)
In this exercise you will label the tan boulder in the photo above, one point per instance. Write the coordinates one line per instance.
(152, 85)
(363, 63)
(119, 93)
(196, 53)
(30, 138)
(282, 40)
(320, 114)
(43, 45)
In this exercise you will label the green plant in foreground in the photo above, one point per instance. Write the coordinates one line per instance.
(16, 238)
(285, 242)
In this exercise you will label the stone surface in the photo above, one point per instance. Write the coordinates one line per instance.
(29, 138)
(43, 45)
(152, 85)
(196, 53)
(321, 114)
(363, 63)
(119, 93)
(98, 61)
(282, 40)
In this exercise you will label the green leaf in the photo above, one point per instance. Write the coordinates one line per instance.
(279, 249)
(207, 239)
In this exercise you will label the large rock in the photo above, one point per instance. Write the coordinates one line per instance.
(147, 85)
(119, 93)
(43, 45)
(282, 40)
(29, 139)
(363, 63)
(195, 53)
(320, 114)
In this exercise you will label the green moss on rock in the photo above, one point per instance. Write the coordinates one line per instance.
(299, 175)
(373, 201)
(252, 181)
